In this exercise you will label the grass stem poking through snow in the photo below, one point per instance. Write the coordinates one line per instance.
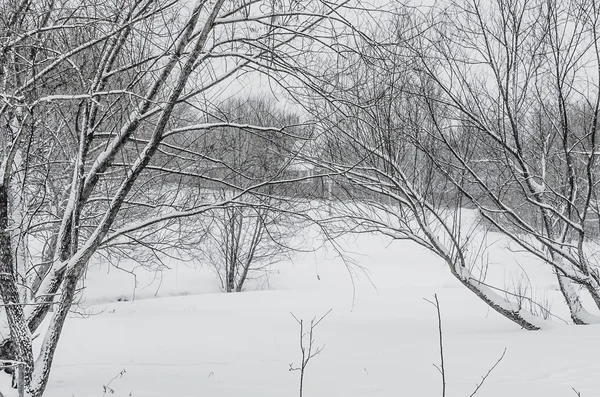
(110, 390)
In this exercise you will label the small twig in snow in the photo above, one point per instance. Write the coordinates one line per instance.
(440, 368)
(488, 373)
(307, 350)
(107, 388)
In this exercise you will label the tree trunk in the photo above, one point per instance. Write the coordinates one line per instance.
(19, 332)
(579, 315)
(50, 343)
(510, 310)
(230, 281)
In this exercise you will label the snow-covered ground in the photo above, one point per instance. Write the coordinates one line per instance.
(182, 337)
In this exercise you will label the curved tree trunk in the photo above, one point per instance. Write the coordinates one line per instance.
(510, 310)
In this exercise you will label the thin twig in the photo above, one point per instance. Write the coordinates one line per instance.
(107, 388)
(307, 350)
(488, 374)
(441, 368)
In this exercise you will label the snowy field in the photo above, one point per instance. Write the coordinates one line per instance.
(181, 337)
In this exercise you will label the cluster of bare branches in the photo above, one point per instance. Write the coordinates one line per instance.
(100, 103)
(467, 120)
(520, 82)
(243, 241)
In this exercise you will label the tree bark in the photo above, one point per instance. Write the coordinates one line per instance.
(19, 332)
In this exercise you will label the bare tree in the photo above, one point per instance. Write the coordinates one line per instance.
(90, 94)
(245, 240)
(385, 164)
(518, 80)
(492, 108)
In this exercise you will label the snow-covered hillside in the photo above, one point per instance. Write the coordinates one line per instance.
(181, 337)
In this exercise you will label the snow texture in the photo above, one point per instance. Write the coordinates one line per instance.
(181, 337)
